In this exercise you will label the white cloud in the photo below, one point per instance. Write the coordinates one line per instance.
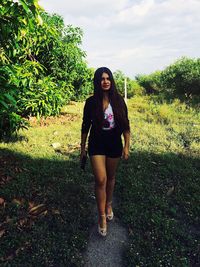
(133, 36)
(84, 7)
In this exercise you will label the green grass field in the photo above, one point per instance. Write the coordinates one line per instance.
(45, 199)
(159, 187)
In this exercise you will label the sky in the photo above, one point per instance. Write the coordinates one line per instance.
(134, 36)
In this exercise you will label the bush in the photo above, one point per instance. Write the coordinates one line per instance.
(151, 83)
(10, 120)
(42, 65)
(133, 88)
(182, 77)
(44, 98)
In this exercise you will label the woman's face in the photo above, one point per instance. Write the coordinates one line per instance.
(105, 82)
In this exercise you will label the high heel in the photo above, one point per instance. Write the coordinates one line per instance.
(111, 215)
(102, 230)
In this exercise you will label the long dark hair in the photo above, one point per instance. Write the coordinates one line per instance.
(116, 100)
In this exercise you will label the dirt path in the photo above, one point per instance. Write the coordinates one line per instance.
(106, 251)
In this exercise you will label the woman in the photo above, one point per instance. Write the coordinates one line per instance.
(105, 115)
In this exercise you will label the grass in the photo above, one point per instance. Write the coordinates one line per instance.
(158, 188)
(45, 211)
(45, 204)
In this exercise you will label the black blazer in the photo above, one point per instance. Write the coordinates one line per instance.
(89, 117)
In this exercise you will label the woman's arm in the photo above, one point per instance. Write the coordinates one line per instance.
(126, 134)
(83, 144)
(125, 152)
(86, 123)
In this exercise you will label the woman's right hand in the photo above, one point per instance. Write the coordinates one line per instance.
(83, 154)
(83, 159)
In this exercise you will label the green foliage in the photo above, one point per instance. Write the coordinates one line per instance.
(133, 88)
(158, 188)
(151, 83)
(42, 66)
(182, 77)
(14, 19)
(10, 120)
(6, 116)
(44, 98)
(179, 78)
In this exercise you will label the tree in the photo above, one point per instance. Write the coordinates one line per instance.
(133, 87)
(14, 19)
(151, 83)
(42, 65)
(182, 77)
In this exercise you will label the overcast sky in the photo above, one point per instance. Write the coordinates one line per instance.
(134, 36)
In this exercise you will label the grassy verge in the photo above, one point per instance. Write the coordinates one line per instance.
(45, 211)
(159, 187)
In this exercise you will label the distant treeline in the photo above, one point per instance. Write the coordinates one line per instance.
(42, 67)
(181, 77)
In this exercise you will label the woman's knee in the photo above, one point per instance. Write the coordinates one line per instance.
(111, 178)
(100, 181)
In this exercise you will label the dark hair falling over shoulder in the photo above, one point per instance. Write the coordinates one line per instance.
(116, 100)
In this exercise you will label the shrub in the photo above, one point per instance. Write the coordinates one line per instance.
(10, 120)
(151, 83)
(41, 63)
(44, 98)
(182, 77)
(133, 87)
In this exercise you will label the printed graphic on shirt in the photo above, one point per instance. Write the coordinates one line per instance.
(108, 122)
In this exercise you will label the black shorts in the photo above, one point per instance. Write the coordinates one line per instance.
(108, 143)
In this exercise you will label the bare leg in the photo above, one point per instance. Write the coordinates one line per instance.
(99, 169)
(111, 167)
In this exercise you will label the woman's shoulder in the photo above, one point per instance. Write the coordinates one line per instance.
(89, 102)
(90, 98)
(121, 99)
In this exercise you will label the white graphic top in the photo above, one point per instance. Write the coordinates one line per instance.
(109, 122)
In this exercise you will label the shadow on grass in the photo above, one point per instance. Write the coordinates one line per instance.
(14, 138)
(46, 214)
(159, 197)
(45, 211)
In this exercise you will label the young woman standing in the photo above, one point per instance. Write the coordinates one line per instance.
(105, 116)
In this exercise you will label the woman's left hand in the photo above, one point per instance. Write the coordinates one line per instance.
(125, 153)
